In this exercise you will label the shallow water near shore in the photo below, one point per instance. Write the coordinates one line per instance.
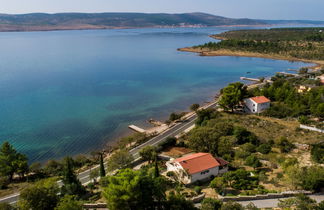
(69, 92)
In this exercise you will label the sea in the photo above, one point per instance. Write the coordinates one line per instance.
(63, 93)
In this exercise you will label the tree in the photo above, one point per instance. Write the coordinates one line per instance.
(6, 206)
(204, 115)
(219, 184)
(102, 167)
(232, 95)
(71, 184)
(178, 202)
(317, 153)
(119, 159)
(225, 145)
(148, 153)
(156, 168)
(240, 180)
(284, 145)
(134, 190)
(251, 206)
(253, 161)
(264, 148)
(300, 202)
(11, 161)
(194, 107)
(306, 178)
(53, 168)
(69, 202)
(211, 204)
(243, 136)
(232, 206)
(41, 195)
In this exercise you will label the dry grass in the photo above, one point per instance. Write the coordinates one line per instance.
(266, 128)
(14, 188)
(176, 152)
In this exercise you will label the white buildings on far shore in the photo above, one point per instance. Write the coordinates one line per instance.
(256, 104)
(195, 167)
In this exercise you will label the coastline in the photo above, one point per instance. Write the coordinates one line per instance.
(223, 52)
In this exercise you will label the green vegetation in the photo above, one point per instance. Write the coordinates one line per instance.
(41, 195)
(12, 162)
(120, 159)
(71, 184)
(317, 152)
(134, 190)
(194, 107)
(102, 166)
(300, 43)
(288, 102)
(148, 153)
(232, 95)
(69, 202)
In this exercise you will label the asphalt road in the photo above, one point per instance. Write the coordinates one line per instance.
(84, 177)
(272, 203)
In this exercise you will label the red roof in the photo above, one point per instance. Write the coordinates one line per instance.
(199, 162)
(260, 99)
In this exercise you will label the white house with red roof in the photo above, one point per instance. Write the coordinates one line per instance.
(256, 104)
(198, 166)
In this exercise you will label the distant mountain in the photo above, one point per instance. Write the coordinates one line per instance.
(68, 21)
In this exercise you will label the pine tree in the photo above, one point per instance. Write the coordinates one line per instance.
(71, 184)
(102, 167)
(156, 169)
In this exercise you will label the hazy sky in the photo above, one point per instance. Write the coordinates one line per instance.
(265, 9)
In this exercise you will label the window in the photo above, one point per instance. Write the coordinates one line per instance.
(204, 172)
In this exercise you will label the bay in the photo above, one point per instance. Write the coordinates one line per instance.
(70, 92)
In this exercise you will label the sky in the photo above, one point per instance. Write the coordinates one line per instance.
(262, 9)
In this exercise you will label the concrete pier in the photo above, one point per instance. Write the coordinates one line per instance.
(137, 129)
(250, 79)
(288, 74)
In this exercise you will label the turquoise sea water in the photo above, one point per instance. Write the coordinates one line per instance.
(69, 92)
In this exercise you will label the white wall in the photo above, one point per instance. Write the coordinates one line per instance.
(198, 176)
(255, 107)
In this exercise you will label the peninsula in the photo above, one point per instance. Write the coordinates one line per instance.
(296, 44)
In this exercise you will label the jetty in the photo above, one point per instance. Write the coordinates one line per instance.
(250, 79)
(137, 129)
(295, 70)
(288, 74)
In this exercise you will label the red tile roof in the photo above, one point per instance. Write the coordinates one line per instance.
(260, 99)
(199, 162)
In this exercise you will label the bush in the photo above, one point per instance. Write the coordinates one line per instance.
(253, 161)
(6, 206)
(317, 153)
(170, 141)
(243, 136)
(264, 148)
(197, 189)
(241, 153)
(210, 204)
(284, 145)
(249, 147)
(3, 182)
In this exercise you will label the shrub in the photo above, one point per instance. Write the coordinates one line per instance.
(284, 145)
(249, 147)
(317, 153)
(210, 204)
(197, 189)
(170, 141)
(264, 148)
(253, 161)
(3, 182)
(241, 153)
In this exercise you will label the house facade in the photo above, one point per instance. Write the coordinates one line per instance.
(256, 104)
(195, 167)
